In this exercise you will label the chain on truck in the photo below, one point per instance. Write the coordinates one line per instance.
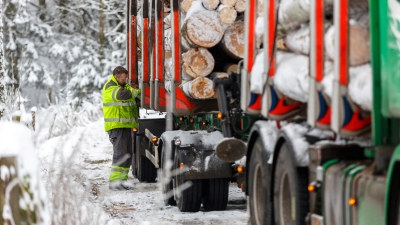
(316, 153)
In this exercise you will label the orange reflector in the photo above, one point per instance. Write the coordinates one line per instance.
(180, 118)
(154, 139)
(181, 166)
(191, 120)
(311, 188)
(134, 130)
(204, 123)
(352, 201)
(219, 115)
(239, 169)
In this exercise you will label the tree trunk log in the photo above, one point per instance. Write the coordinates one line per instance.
(292, 13)
(186, 4)
(210, 4)
(203, 29)
(227, 14)
(199, 88)
(233, 41)
(198, 62)
(229, 2)
(240, 6)
(231, 68)
(218, 75)
(359, 44)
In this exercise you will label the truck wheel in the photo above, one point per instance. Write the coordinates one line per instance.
(187, 193)
(188, 199)
(290, 189)
(134, 156)
(394, 200)
(260, 202)
(145, 170)
(166, 181)
(215, 194)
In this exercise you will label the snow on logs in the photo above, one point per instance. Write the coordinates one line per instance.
(233, 41)
(203, 29)
(197, 62)
(292, 59)
(199, 88)
(210, 30)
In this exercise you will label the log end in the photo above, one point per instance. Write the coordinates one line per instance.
(203, 29)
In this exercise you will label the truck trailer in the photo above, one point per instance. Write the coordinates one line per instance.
(312, 107)
(177, 134)
(322, 152)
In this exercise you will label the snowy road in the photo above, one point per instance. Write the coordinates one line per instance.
(144, 204)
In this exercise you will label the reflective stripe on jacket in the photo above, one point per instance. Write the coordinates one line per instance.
(119, 173)
(119, 108)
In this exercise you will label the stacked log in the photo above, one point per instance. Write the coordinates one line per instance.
(292, 66)
(212, 41)
(197, 62)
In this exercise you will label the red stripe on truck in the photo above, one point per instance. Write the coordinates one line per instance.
(133, 51)
(145, 49)
(160, 51)
(319, 50)
(343, 42)
(271, 37)
(177, 46)
(251, 35)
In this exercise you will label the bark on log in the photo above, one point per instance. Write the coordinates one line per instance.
(231, 68)
(227, 14)
(218, 75)
(203, 29)
(359, 44)
(210, 4)
(198, 62)
(199, 88)
(233, 41)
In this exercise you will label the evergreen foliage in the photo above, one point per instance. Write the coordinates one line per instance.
(58, 51)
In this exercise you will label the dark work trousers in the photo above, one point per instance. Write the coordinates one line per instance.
(121, 139)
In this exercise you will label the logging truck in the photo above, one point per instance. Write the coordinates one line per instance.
(305, 91)
(325, 147)
(179, 127)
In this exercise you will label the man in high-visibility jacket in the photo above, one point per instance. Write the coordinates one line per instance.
(120, 116)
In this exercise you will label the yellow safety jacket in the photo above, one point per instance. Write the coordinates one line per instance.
(120, 110)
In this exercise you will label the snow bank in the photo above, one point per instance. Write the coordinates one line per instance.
(17, 141)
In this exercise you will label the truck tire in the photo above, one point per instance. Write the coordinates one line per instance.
(260, 202)
(135, 147)
(145, 170)
(188, 199)
(394, 200)
(166, 181)
(215, 194)
(290, 189)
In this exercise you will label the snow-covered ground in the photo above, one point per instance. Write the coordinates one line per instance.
(74, 169)
(144, 204)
